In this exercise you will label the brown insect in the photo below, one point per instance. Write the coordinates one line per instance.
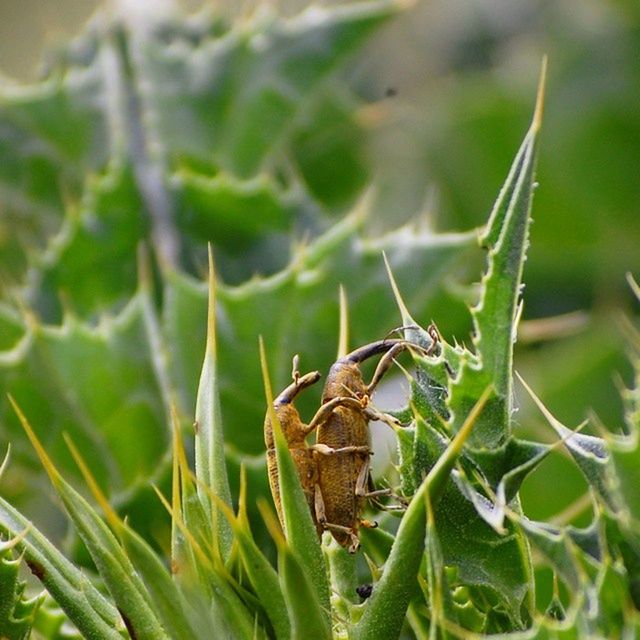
(344, 480)
(295, 431)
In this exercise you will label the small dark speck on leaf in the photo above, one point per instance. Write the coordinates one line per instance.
(127, 624)
(391, 92)
(37, 569)
(364, 590)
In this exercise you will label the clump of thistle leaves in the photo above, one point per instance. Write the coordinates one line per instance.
(173, 162)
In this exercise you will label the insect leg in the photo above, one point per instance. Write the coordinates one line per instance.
(387, 359)
(374, 414)
(362, 484)
(329, 451)
(325, 411)
(321, 519)
(385, 364)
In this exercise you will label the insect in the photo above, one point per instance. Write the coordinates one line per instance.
(343, 480)
(295, 431)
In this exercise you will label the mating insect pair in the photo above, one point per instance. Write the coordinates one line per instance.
(334, 472)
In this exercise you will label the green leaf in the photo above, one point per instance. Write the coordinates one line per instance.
(251, 82)
(91, 260)
(53, 624)
(102, 385)
(589, 453)
(469, 526)
(265, 582)
(341, 566)
(211, 469)
(17, 612)
(558, 548)
(134, 106)
(124, 584)
(438, 593)
(94, 615)
(386, 608)
(177, 615)
(205, 576)
(309, 619)
(505, 469)
(262, 575)
(51, 132)
(233, 212)
(327, 145)
(81, 380)
(507, 466)
(495, 316)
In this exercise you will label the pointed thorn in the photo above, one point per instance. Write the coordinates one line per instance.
(211, 309)
(363, 206)
(343, 341)
(16, 540)
(266, 380)
(271, 522)
(539, 110)
(242, 497)
(545, 412)
(45, 460)
(189, 537)
(5, 462)
(635, 287)
(175, 462)
(404, 312)
(112, 517)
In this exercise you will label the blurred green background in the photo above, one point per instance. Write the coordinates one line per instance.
(448, 91)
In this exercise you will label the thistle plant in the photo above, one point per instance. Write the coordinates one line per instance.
(139, 148)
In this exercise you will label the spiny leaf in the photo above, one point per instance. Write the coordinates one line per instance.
(260, 572)
(386, 609)
(196, 561)
(341, 566)
(217, 208)
(95, 616)
(100, 385)
(17, 612)
(183, 563)
(252, 81)
(308, 616)
(114, 566)
(51, 133)
(308, 619)
(624, 453)
(590, 454)
(327, 145)
(439, 595)
(495, 316)
(53, 624)
(557, 547)
(211, 467)
(227, 611)
(464, 521)
(219, 100)
(170, 603)
(98, 235)
(178, 616)
(505, 467)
